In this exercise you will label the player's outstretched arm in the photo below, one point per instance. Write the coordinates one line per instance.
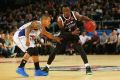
(50, 36)
(81, 17)
(27, 32)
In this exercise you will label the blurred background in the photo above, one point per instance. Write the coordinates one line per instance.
(106, 14)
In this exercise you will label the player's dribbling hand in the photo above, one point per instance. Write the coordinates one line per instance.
(76, 32)
(27, 42)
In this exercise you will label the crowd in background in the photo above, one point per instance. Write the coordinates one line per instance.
(94, 44)
(106, 13)
(103, 44)
(13, 15)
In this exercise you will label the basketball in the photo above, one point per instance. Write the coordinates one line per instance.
(90, 26)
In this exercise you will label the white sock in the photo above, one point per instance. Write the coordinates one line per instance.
(87, 65)
(48, 65)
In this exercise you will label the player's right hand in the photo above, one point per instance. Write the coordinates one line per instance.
(76, 31)
(27, 42)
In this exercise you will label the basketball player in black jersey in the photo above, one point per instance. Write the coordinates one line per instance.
(69, 34)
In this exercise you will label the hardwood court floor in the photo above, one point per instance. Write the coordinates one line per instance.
(107, 67)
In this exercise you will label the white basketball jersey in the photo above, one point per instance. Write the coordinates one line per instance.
(33, 34)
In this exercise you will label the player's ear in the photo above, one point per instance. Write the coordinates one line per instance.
(33, 23)
(59, 22)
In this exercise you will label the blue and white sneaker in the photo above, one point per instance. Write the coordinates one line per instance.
(39, 72)
(22, 72)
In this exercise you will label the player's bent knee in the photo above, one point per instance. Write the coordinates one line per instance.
(33, 51)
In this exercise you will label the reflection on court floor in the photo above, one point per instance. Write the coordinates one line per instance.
(105, 67)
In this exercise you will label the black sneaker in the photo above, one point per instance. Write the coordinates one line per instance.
(88, 70)
(45, 69)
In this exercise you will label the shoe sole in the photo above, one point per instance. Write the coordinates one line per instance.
(21, 74)
(88, 73)
(42, 74)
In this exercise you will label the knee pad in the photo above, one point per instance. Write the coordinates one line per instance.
(36, 51)
(33, 51)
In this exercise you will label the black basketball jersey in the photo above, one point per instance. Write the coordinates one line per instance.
(69, 24)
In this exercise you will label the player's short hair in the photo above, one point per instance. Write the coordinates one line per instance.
(35, 23)
(45, 16)
(65, 5)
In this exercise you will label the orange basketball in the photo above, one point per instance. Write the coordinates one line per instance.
(90, 26)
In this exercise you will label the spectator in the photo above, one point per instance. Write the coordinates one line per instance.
(84, 38)
(103, 41)
(107, 16)
(94, 43)
(112, 40)
(118, 45)
(3, 49)
(84, 41)
(99, 10)
(9, 44)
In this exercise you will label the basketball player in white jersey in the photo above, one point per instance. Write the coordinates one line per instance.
(25, 37)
